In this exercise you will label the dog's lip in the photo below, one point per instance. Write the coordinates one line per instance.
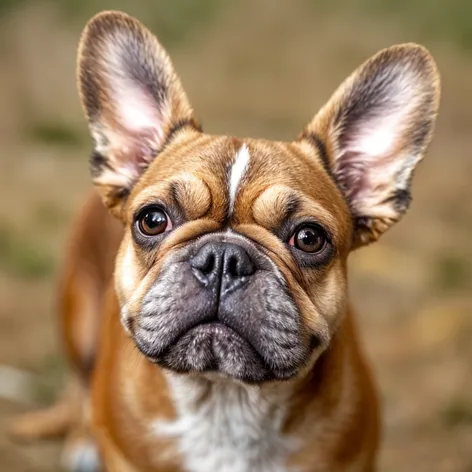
(213, 327)
(211, 324)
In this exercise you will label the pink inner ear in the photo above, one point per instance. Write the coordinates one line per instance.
(136, 111)
(372, 160)
(137, 132)
(376, 137)
(133, 137)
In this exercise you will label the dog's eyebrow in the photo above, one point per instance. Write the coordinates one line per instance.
(275, 205)
(292, 205)
(190, 196)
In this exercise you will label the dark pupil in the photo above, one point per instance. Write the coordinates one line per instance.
(308, 239)
(154, 221)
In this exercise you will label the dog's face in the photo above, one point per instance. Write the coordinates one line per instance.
(234, 261)
(235, 250)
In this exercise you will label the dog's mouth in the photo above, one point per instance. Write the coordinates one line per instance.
(215, 347)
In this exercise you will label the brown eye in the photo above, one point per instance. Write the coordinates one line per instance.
(308, 239)
(153, 222)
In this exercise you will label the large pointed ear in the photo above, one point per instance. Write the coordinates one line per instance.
(374, 131)
(132, 98)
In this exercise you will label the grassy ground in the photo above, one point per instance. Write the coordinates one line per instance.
(259, 68)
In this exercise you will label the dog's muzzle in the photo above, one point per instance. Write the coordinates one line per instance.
(221, 305)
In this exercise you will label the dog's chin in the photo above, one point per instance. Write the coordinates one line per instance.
(215, 348)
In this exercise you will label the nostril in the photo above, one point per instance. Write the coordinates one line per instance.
(205, 264)
(237, 263)
(233, 266)
(209, 264)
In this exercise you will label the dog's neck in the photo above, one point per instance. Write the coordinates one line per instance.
(225, 425)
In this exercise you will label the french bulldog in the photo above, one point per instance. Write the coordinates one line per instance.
(225, 341)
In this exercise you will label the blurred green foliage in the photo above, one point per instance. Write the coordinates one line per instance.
(452, 272)
(446, 20)
(171, 20)
(458, 412)
(20, 257)
(443, 20)
(55, 133)
(52, 373)
(50, 216)
(7, 5)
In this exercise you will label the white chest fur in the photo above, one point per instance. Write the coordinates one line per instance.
(222, 426)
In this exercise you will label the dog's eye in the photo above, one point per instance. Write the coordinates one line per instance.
(153, 221)
(309, 238)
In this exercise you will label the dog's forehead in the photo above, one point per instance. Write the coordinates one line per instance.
(236, 172)
(230, 159)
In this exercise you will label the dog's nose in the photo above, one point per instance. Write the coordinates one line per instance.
(225, 265)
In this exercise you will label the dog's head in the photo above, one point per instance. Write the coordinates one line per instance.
(235, 250)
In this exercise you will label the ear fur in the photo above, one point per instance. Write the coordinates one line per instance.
(376, 129)
(132, 98)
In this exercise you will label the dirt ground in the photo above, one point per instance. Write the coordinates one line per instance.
(258, 68)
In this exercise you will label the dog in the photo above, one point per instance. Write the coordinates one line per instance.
(210, 330)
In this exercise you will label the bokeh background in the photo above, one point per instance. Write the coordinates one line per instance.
(258, 68)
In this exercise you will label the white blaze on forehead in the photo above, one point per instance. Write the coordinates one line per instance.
(238, 170)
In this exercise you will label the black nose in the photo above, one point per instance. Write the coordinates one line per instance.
(225, 266)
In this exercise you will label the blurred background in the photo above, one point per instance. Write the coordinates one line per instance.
(258, 68)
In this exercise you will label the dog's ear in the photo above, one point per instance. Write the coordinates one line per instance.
(375, 130)
(132, 98)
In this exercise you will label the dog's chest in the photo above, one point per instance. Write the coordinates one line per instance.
(226, 428)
